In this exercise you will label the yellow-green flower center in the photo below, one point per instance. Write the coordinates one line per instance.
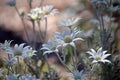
(46, 12)
(17, 53)
(97, 57)
(68, 39)
(52, 48)
(34, 16)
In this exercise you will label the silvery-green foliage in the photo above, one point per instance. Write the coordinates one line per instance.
(12, 77)
(27, 77)
(79, 75)
(10, 61)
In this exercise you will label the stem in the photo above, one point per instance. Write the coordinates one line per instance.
(34, 35)
(73, 61)
(40, 32)
(63, 63)
(18, 66)
(76, 61)
(48, 65)
(22, 23)
(41, 2)
(46, 21)
(30, 3)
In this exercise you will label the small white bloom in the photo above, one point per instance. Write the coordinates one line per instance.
(48, 10)
(21, 50)
(68, 22)
(68, 37)
(99, 56)
(6, 45)
(35, 14)
(49, 47)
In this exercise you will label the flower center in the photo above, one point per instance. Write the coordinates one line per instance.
(46, 12)
(52, 48)
(17, 53)
(97, 57)
(68, 39)
(34, 16)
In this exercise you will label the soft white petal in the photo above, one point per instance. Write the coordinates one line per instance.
(93, 51)
(105, 56)
(105, 60)
(76, 39)
(99, 51)
(73, 44)
(94, 61)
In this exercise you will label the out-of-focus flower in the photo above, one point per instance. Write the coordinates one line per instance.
(12, 77)
(86, 34)
(5, 45)
(99, 56)
(68, 22)
(11, 3)
(21, 50)
(49, 47)
(99, 1)
(79, 75)
(48, 10)
(27, 77)
(35, 14)
(68, 37)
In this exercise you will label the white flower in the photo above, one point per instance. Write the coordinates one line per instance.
(49, 47)
(21, 50)
(6, 45)
(35, 14)
(68, 37)
(48, 10)
(99, 56)
(68, 22)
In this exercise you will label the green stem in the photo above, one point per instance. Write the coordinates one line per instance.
(18, 66)
(46, 25)
(63, 63)
(34, 34)
(26, 32)
(41, 2)
(40, 32)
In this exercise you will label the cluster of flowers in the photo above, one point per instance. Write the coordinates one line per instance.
(21, 50)
(64, 39)
(42, 12)
(14, 53)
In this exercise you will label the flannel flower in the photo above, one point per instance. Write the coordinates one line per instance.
(5, 45)
(68, 22)
(21, 51)
(68, 37)
(35, 14)
(49, 47)
(48, 10)
(99, 56)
